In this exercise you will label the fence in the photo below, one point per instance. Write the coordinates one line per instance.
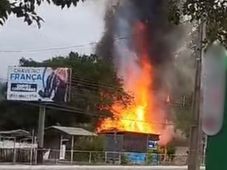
(28, 156)
(18, 155)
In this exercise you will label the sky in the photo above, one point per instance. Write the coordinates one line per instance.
(64, 30)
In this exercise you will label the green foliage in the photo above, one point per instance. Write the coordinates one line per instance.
(182, 99)
(213, 12)
(17, 116)
(182, 111)
(174, 11)
(4, 7)
(183, 120)
(124, 159)
(27, 9)
(90, 144)
(171, 150)
(150, 156)
(95, 87)
(94, 146)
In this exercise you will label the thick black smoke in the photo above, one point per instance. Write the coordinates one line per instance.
(160, 40)
(161, 36)
(104, 48)
(153, 14)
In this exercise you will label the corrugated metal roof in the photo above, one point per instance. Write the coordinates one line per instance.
(114, 130)
(73, 131)
(15, 133)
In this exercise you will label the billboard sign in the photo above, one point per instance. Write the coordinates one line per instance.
(42, 84)
(213, 82)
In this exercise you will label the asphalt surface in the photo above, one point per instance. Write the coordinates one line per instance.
(24, 167)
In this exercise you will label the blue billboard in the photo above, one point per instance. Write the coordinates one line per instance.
(38, 84)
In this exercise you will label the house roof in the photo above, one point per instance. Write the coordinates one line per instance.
(73, 131)
(15, 133)
(112, 131)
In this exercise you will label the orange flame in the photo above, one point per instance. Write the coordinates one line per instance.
(143, 116)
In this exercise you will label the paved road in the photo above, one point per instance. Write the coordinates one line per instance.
(23, 167)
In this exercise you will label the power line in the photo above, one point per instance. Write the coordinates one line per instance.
(75, 83)
(115, 38)
(93, 86)
(55, 106)
(46, 49)
(60, 48)
(77, 78)
(66, 108)
(86, 83)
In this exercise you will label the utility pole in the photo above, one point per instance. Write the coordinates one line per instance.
(41, 128)
(195, 133)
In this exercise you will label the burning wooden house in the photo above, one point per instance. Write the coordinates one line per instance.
(123, 141)
(134, 145)
(141, 61)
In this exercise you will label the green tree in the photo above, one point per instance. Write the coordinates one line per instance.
(171, 150)
(90, 144)
(182, 93)
(183, 119)
(213, 12)
(16, 115)
(27, 9)
(93, 145)
(95, 87)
